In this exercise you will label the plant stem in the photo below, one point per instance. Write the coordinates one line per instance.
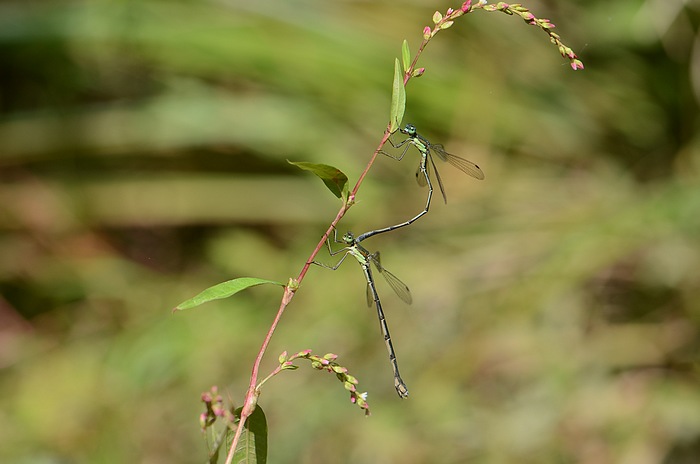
(251, 397)
(252, 394)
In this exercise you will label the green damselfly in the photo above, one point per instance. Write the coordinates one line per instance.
(364, 257)
(426, 164)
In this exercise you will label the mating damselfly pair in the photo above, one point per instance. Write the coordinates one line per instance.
(366, 259)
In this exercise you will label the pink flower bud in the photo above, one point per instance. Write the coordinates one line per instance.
(466, 5)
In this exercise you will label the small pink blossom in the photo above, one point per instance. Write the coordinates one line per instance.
(466, 5)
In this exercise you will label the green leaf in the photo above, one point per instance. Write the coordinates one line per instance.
(224, 441)
(335, 180)
(224, 290)
(252, 444)
(398, 98)
(406, 55)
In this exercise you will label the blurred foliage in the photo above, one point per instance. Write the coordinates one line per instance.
(142, 159)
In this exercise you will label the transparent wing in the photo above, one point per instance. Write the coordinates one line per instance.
(400, 288)
(462, 164)
(370, 296)
(429, 167)
(437, 176)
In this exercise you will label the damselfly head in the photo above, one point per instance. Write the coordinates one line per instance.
(348, 238)
(409, 130)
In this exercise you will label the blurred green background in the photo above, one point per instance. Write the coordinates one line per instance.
(143, 149)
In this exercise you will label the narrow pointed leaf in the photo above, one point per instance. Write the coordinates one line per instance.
(224, 290)
(224, 442)
(335, 179)
(405, 55)
(252, 444)
(398, 98)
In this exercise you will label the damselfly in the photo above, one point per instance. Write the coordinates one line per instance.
(426, 164)
(364, 257)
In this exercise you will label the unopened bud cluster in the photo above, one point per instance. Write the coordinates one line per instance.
(444, 21)
(215, 408)
(327, 363)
